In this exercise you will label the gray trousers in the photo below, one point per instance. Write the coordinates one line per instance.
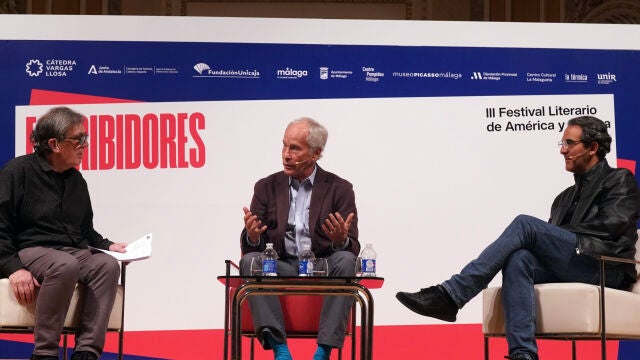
(58, 271)
(267, 311)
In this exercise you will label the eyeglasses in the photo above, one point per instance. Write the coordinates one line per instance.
(82, 140)
(568, 143)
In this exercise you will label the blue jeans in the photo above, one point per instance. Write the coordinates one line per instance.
(529, 251)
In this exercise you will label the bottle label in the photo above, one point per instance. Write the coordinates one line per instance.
(269, 267)
(305, 268)
(369, 266)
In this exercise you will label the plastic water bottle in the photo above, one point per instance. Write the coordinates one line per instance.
(269, 261)
(305, 261)
(368, 261)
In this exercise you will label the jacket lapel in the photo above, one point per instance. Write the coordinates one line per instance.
(320, 186)
(282, 203)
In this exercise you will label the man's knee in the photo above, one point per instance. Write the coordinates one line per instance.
(245, 262)
(110, 265)
(342, 263)
(64, 266)
(524, 219)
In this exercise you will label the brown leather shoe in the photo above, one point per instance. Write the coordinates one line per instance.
(433, 301)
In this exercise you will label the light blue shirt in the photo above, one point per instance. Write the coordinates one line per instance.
(298, 232)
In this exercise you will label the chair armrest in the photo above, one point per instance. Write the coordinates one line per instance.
(604, 258)
(231, 263)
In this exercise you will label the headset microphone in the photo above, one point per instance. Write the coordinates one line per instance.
(304, 161)
(572, 157)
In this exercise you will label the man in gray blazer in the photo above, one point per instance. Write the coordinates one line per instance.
(303, 204)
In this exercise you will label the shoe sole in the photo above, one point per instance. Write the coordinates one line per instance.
(409, 306)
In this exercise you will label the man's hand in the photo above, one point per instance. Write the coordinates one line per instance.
(337, 228)
(253, 225)
(118, 247)
(24, 286)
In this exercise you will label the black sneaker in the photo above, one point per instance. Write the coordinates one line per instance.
(433, 301)
(84, 355)
(522, 356)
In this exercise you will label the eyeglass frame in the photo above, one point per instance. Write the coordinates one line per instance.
(83, 140)
(568, 143)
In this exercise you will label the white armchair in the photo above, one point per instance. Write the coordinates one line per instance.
(16, 318)
(573, 311)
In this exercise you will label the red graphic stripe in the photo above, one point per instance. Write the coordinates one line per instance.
(46, 97)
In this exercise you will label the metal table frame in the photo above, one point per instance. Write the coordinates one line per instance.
(357, 288)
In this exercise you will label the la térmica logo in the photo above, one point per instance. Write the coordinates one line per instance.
(34, 67)
(205, 71)
(50, 68)
(576, 78)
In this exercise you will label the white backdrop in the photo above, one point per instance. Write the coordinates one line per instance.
(433, 187)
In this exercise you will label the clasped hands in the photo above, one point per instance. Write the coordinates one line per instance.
(336, 227)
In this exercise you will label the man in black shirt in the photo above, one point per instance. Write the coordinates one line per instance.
(46, 226)
(596, 216)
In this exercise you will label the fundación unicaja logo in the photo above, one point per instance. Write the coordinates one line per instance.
(201, 67)
(34, 67)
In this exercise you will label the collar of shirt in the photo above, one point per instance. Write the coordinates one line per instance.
(584, 179)
(295, 183)
(44, 164)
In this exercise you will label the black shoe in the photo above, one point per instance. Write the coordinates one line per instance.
(521, 356)
(433, 301)
(43, 357)
(84, 355)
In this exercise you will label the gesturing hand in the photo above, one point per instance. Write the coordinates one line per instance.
(336, 228)
(253, 225)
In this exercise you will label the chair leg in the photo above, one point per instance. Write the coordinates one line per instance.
(253, 341)
(121, 344)
(486, 348)
(573, 349)
(64, 347)
(353, 331)
(339, 353)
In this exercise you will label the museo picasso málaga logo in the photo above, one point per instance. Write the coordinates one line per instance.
(50, 67)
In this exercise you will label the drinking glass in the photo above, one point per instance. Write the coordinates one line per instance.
(256, 266)
(320, 267)
(358, 266)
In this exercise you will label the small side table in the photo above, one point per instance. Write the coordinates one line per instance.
(355, 287)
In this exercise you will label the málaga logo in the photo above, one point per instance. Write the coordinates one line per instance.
(34, 67)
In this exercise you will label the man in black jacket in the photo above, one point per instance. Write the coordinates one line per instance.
(596, 216)
(46, 225)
